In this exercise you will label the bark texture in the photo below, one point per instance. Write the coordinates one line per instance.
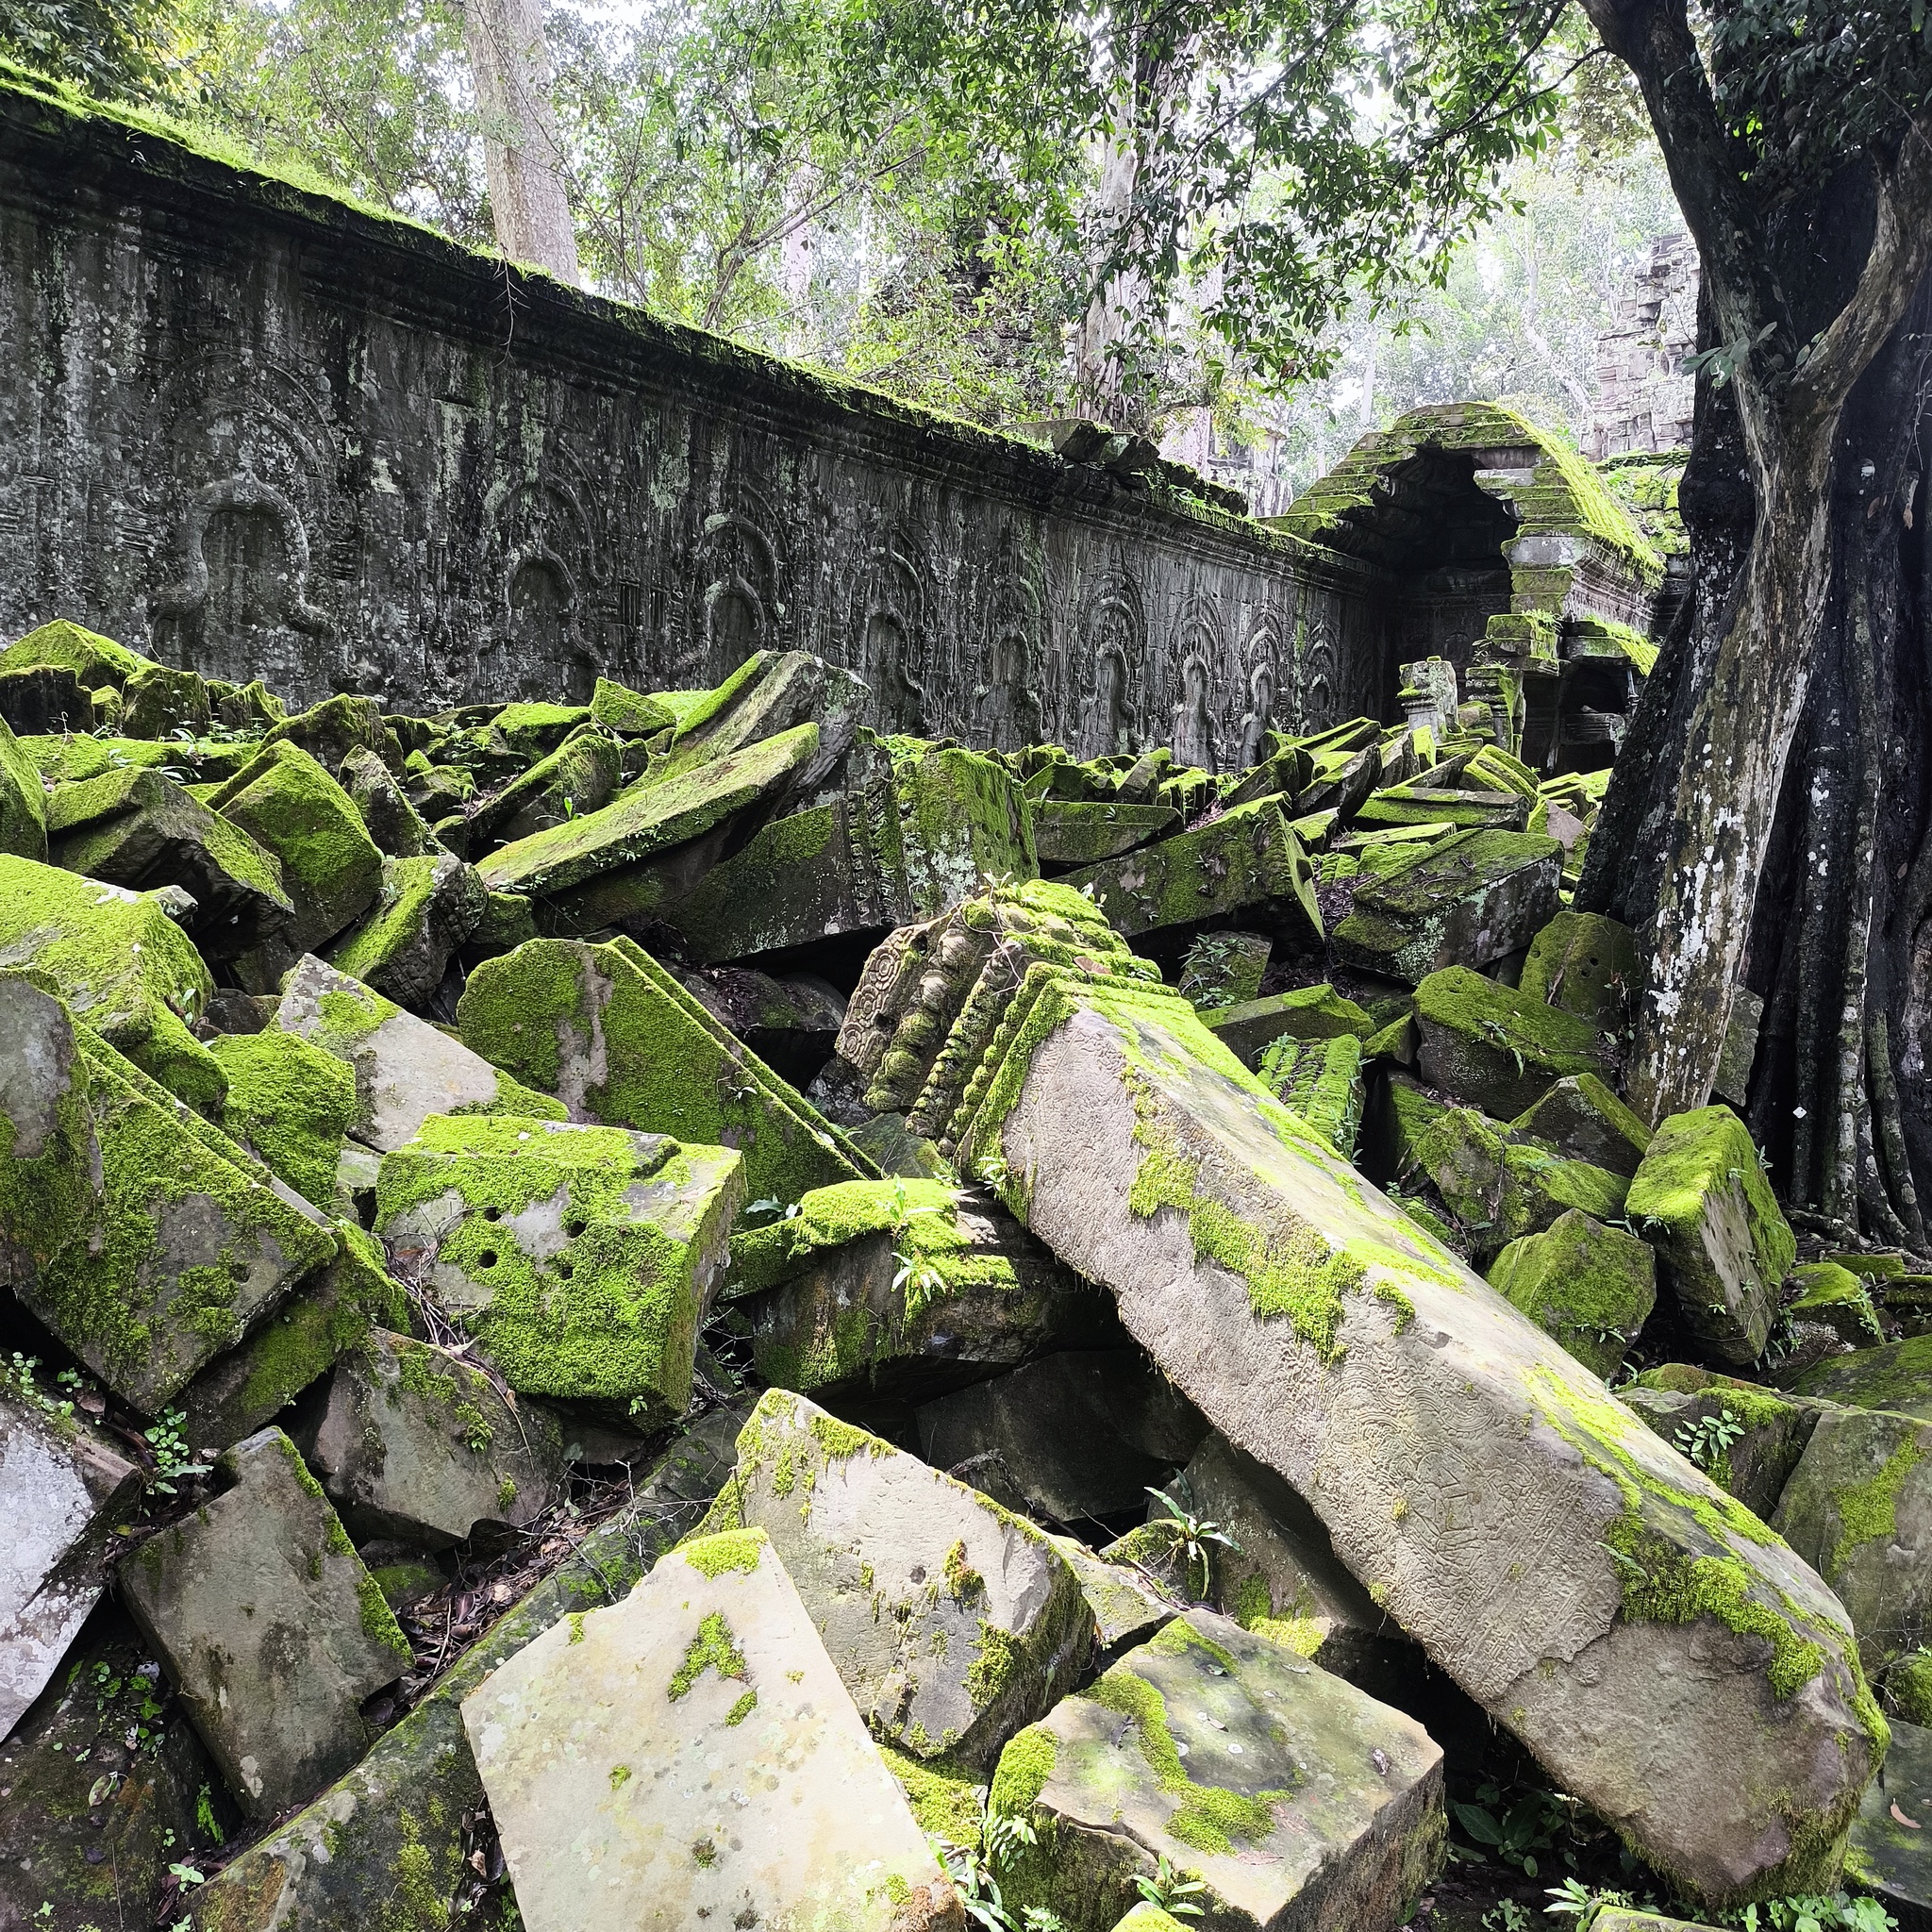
(511, 66)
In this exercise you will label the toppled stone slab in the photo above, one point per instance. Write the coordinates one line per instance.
(1076, 832)
(1464, 902)
(650, 817)
(1887, 1855)
(951, 1622)
(618, 1750)
(1583, 1120)
(1835, 1298)
(582, 1258)
(1589, 1287)
(269, 1626)
(291, 1105)
(620, 1041)
(1588, 965)
(1493, 1049)
(397, 1825)
(67, 1489)
(902, 1287)
(419, 1445)
(1858, 1508)
(394, 825)
(1320, 1080)
(330, 869)
(1468, 810)
(580, 776)
(1082, 1434)
(405, 1069)
(1126, 1607)
(1279, 1575)
(1746, 1438)
(1225, 969)
(143, 1238)
(1294, 1799)
(425, 910)
(1246, 861)
(1309, 1012)
(123, 965)
(1573, 1574)
(1702, 1200)
(1896, 1375)
(22, 802)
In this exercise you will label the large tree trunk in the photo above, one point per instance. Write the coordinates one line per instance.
(511, 66)
(1840, 941)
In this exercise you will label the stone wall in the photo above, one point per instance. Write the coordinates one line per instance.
(263, 433)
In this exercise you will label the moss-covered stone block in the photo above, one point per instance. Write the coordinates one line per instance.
(389, 1843)
(418, 1445)
(1468, 810)
(1833, 1296)
(962, 821)
(1746, 1438)
(1588, 965)
(271, 1629)
(1702, 1200)
(123, 965)
(1464, 902)
(630, 714)
(1246, 862)
(93, 658)
(1887, 1855)
(582, 1258)
(388, 816)
(329, 731)
(580, 776)
(1220, 1750)
(1895, 1376)
(426, 909)
(618, 1039)
(1581, 1118)
(657, 812)
(951, 1622)
(1069, 832)
(1224, 968)
(1576, 1576)
(290, 1105)
(1858, 1508)
(405, 1069)
(23, 801)
(1320, 1082)
(1308, 1012)
(1493, 1048)
(902, 1287)
(160, 701)
(1590, 1286)
(143, 1239)
(330, 868)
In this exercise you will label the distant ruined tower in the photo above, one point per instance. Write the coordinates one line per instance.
(1643, 396)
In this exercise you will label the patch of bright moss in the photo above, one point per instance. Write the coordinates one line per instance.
(732, 1549)
(714, 1648)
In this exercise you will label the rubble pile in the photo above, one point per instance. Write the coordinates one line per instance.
(593, 1297)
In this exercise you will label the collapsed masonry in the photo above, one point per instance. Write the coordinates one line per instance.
(427, 1136)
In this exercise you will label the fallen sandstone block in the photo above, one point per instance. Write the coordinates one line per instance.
(1493, 1049)
(426, 908)
(1589, 1287)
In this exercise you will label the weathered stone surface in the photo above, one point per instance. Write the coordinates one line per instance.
(1071, 832)
(1225, 969)
(582, 1258)
(1589, 1287)
(1126, 1607)
(580, 776)
(650, 817)
(1586, 964)
(1320, 1080)
(1429, 805)
(616, 1750)
(1744, 1437)
(425, 910)
(405, 1069)
(397, 829)
(393, 1837)
(618, 1039)
(65, 1490)
(1835, 1298)
(330, 868)
(1897, 1376)
(330, 729)
(22, 802)
(1858, 1508)
(289, 1104)
(1309, 1012)
(903, 1288)
(124, 966)
(269, 1626)
(951, 1622)
(1469, 1469)
(416, 1445)
(161, 701)
(768, 693)
(93, 658)
(791, 1024)
(1493, 1048)
(1581, 1118)
(133, 827)
(1246, 861)
(1464, 902)
(1296, 1800)
(1082, 1434)
(1702, 1202)
(1889, 1856)
(143, 1238)
(1280, 1575)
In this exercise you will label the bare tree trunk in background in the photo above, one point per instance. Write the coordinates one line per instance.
(1101, 389)
(511, 66)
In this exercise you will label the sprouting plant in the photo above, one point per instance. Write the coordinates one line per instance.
(979, 1890)
(18, 1376)
(174, 1459)
(1512, 1829)
(1170, 1891)
(1708, 1440)
(916, 1278)
(1813, 1912)
(1189, 1537)
(1004, 1834)
(1505, 1915)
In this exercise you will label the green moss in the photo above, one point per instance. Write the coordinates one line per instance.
(993, 1671)
(378, 1620)
(964, 1583)
(714, 1556)
(742, 1709)
(291, 1103)
(836, 1440)
(1870, 1509)
(944, 1793)
(714, 1648)
(1909, 1688)
(1024, 1766)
